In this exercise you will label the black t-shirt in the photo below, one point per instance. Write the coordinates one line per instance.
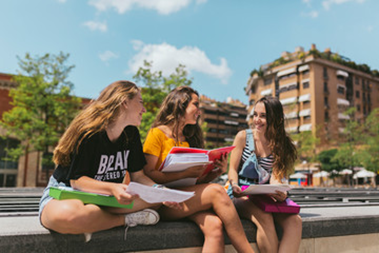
(103, 160)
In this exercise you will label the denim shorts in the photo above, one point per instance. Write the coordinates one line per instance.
(45, 195)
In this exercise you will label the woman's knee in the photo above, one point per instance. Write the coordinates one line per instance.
(218, 193)
(62, 213)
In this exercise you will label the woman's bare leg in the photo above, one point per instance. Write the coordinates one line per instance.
(212, 196)
(292, 229)
(267, 239)
(73, 217)
(213, 230)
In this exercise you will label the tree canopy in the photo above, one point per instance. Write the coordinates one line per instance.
(43, 105)
(155, 88)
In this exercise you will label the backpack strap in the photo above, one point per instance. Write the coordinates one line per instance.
(250, 140)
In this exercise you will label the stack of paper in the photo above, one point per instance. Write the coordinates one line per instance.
(181, 158)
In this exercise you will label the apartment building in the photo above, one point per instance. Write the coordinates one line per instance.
(224, 120)
(315, 89)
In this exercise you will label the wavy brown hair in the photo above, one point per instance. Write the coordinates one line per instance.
(173, 110)
(283, 149)
(93, 119)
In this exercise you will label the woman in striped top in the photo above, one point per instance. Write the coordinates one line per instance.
(276, 154)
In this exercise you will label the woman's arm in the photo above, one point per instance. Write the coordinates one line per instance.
(166, 177)
(88, 184)
(235, 158)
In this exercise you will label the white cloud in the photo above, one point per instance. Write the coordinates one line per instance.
(370, 28)
(328, 3)
(163, 7)
(307, 2)
(312, 14)
(107, 55)
(93, 26)
(166, 58)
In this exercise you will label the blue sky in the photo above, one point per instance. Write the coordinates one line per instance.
(220, 41)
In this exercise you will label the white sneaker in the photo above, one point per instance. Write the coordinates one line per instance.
(144, 217)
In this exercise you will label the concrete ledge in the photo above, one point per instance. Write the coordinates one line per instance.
(25, 234)
(334, 220)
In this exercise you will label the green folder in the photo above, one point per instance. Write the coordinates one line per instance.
(86, 197)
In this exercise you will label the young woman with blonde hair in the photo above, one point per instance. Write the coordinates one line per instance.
(276, 155)
(211, 208)
(100, 152)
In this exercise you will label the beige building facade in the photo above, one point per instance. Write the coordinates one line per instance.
(315, 89)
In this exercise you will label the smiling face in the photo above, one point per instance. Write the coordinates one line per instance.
(259, 117)
(134, 110)
(192, 111)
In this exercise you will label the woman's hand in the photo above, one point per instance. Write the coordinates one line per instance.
(196, 171)
(222, 163)
(279, 196)
(237, 192)
(119, 192)
(175, 205)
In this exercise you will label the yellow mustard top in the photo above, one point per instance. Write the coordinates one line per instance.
(158, 144)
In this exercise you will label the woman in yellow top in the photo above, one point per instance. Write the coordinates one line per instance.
(210, 208)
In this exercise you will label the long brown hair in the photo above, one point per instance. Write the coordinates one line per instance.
(93, 119)
(173, 110)
(283, 149)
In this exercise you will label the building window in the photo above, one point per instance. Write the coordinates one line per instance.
(5, 144)
(358, 108)
(307, 117)
(325, 87)
(251, 102)
(326, 115)
(306, 102)
(267, 81)
(341, 90)
(326, 103)
(325, 72)
(305, 85)
(306, 72)
(357, 94)
(356, 80)
(340, 78)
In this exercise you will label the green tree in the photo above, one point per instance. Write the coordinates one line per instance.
(325, 157)
(155, 88)
(306, 144)
(42, 104)
(347, 154)
(369, 155)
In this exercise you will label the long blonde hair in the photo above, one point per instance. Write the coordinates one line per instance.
(173, 109)
(93, 119)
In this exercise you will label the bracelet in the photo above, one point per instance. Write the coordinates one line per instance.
(159, 186)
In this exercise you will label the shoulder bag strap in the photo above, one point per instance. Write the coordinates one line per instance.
(250, 140)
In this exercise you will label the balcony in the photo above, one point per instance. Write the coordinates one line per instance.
(305, 97)
(287, 101)
(343, 102)
(266, 92)
(342, 116)
(305, 127)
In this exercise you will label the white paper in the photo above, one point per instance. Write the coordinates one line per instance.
(266, 189)
(180, 166)
(157, 195)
